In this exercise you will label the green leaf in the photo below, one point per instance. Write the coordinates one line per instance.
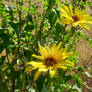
(52, 16)
(5, 41)
(14, 26)
(77, 80)
(75, 1)
(90, 43)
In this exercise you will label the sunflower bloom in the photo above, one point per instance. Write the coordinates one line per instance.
(50, 59)
(76, 17)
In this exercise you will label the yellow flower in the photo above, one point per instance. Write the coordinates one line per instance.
(76, 17)
(51, 58)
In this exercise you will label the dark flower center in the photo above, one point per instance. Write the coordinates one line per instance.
(50, 61)
(75, 18)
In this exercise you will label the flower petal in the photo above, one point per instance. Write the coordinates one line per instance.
(81, 13)
(89, 22)
(66, 63)
(65, 55)
(59, 45)
(30, 68)
(38, 57)
(37, 64)
(62, 11)
(71, 8)
(52, 73)
(66, 9)
(37, 75)
(62, 67)
(67, 17)
(43, 69)
(76, 12)
(66, 21)
(84, 26)
(43, 51)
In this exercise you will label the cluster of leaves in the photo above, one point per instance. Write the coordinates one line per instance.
(25, 24)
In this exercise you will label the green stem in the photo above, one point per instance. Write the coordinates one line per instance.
(1, 86)
(20, 21)
(13, 83)
(42, 23)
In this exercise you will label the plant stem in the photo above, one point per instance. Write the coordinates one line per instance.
(20, 20)
(42, 23)
(13, 83)
(1, 87)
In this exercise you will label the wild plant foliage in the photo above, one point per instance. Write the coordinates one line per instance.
(51, 28)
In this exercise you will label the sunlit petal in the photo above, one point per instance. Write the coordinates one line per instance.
(38, 57)
(52, 73)
(33, 63)
(66, 9)
(76, 11)
(67, 63)
(62, 67)
(37, 75)
(30, 68)
(71, 8)
(85, 26)
(43, 51)
(66, 21)
(59, 45)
